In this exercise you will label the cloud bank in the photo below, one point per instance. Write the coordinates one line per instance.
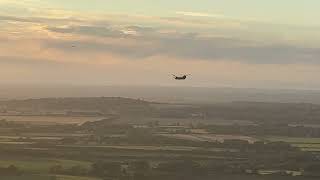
(66, 47)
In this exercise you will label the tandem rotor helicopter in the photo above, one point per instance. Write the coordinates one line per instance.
(184, 77)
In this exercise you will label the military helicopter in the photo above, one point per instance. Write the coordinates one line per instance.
(184, 77)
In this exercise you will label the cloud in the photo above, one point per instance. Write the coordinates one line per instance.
(152, 42)
(41, 20)
(199, 14)
(104, 30)
(11, 60)
(88, 30)
(136, 41)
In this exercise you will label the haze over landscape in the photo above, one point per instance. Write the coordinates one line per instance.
(170, 94)
(159, 89)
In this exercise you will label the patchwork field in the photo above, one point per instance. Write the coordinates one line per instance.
(46, 177)
(75, 178)
(306, 144)
(50, 120)
(210, 137)
(28, 177)
(293, 139)
(196, 120)
(34, 165)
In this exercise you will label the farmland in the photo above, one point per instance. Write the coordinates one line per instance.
(50, 120)
(131, 144)
(36, 165)
(306, 144)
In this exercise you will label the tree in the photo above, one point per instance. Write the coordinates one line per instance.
(312, 170)
(181, 167)
(77, 171)
(68, 140)
(57, 169)
(140, 167)
(53, 178)
(11, 170)
(106, 169)
(140, 170)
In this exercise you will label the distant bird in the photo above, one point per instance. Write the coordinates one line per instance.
(184, 77)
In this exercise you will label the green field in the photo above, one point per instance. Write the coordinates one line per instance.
(46, 177)
(75, 178)
(315, 146)
(305, 144)
(308, 147)
(50, 120)
(41, 165)
(293, 140)
(28, 177)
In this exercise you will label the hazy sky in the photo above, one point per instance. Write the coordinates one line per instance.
(243, 43)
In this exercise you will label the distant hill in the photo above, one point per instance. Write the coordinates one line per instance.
(172, 94)
(127, 108)
(266, 112)
(102, 105)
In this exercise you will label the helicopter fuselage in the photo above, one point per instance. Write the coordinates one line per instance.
(180, 78)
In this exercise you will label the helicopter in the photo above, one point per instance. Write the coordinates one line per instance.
(184, 77)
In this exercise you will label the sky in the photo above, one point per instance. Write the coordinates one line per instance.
(243, 43)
